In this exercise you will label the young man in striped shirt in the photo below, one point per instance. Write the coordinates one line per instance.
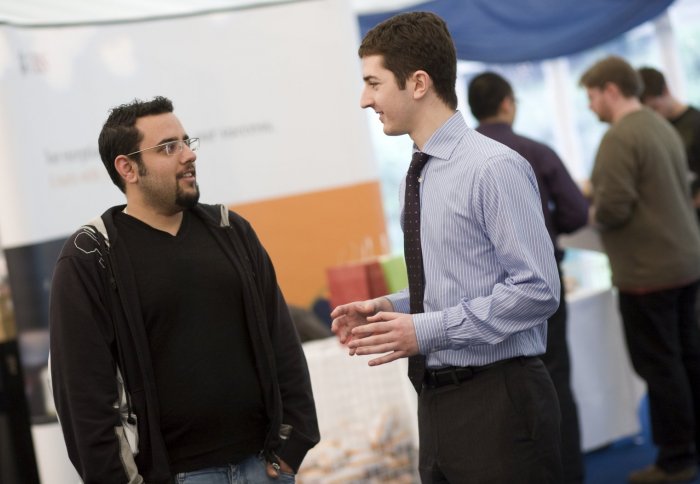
(487, 409)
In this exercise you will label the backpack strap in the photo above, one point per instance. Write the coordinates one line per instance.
(225, 222)
(97, 225)
(128, 417)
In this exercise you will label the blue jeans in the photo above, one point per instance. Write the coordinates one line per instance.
(251, 470)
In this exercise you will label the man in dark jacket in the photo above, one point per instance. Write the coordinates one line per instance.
(565, 209)
(683, 117)
(172, 350)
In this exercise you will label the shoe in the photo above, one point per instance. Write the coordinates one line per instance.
(656, 475)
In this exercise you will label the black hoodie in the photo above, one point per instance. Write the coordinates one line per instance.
(96, 326)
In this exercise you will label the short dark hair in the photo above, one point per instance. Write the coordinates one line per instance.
(119, 135)
(486, 92)
(654, 82)
(416, 41)
(613, 70)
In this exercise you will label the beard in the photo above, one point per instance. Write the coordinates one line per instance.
(187, 200)
(161, 196)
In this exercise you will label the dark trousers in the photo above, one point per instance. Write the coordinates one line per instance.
(557, 361)
(500, 426)
(663, 340)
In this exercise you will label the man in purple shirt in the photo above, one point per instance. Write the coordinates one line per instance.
(565, 210)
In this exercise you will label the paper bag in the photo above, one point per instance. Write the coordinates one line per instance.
(355, 282)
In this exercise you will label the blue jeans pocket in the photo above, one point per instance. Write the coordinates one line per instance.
(210, 475)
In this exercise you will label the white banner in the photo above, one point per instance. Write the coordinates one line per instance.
(273, 93)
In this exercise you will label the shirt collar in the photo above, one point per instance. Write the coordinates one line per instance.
(446, 138)
(494, 128)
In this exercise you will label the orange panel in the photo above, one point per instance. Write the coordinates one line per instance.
(307, 233)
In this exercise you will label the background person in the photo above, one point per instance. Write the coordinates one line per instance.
(685, 118)
(565, 210)
(641, 204)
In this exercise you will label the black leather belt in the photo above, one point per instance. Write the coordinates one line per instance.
(454, 375)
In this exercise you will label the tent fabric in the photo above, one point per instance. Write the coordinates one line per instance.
(503, 31)
(48, 13)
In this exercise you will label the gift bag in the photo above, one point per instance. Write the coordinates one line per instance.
(356, 282)
(395, 275)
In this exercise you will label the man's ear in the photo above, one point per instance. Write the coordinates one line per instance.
(507, 106)
(611, 88)
(126, 167)
(421, 84)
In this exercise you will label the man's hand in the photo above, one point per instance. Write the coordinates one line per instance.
(273, 470)
(385, 332)
(587, 189)
(354, 314)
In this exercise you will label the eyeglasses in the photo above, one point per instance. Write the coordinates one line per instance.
(171, 148)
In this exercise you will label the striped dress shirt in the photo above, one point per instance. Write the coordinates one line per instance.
(491, 278)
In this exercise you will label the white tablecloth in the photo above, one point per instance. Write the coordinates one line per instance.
(605, 386)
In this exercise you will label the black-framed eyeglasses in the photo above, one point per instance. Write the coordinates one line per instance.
(174, 147)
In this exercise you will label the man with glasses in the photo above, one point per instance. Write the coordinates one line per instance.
(173, 355)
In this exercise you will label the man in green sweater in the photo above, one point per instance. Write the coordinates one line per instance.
(641, 204)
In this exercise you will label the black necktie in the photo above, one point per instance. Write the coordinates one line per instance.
(414, 255)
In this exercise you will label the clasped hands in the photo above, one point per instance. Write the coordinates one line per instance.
(371, 327)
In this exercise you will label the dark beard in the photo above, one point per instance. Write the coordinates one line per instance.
(187, 200)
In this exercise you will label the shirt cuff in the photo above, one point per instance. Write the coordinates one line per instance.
(400, 301)
(430, 332)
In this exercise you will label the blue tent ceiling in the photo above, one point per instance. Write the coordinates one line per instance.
(502, 31)
(496, 31)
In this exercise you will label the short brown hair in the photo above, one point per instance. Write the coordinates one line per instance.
(416, 41)
(613, 70)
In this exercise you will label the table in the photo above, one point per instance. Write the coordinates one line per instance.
(607, 390)
(605, 387)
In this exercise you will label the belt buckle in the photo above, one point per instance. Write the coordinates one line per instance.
(452, 375)
(461, 374)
